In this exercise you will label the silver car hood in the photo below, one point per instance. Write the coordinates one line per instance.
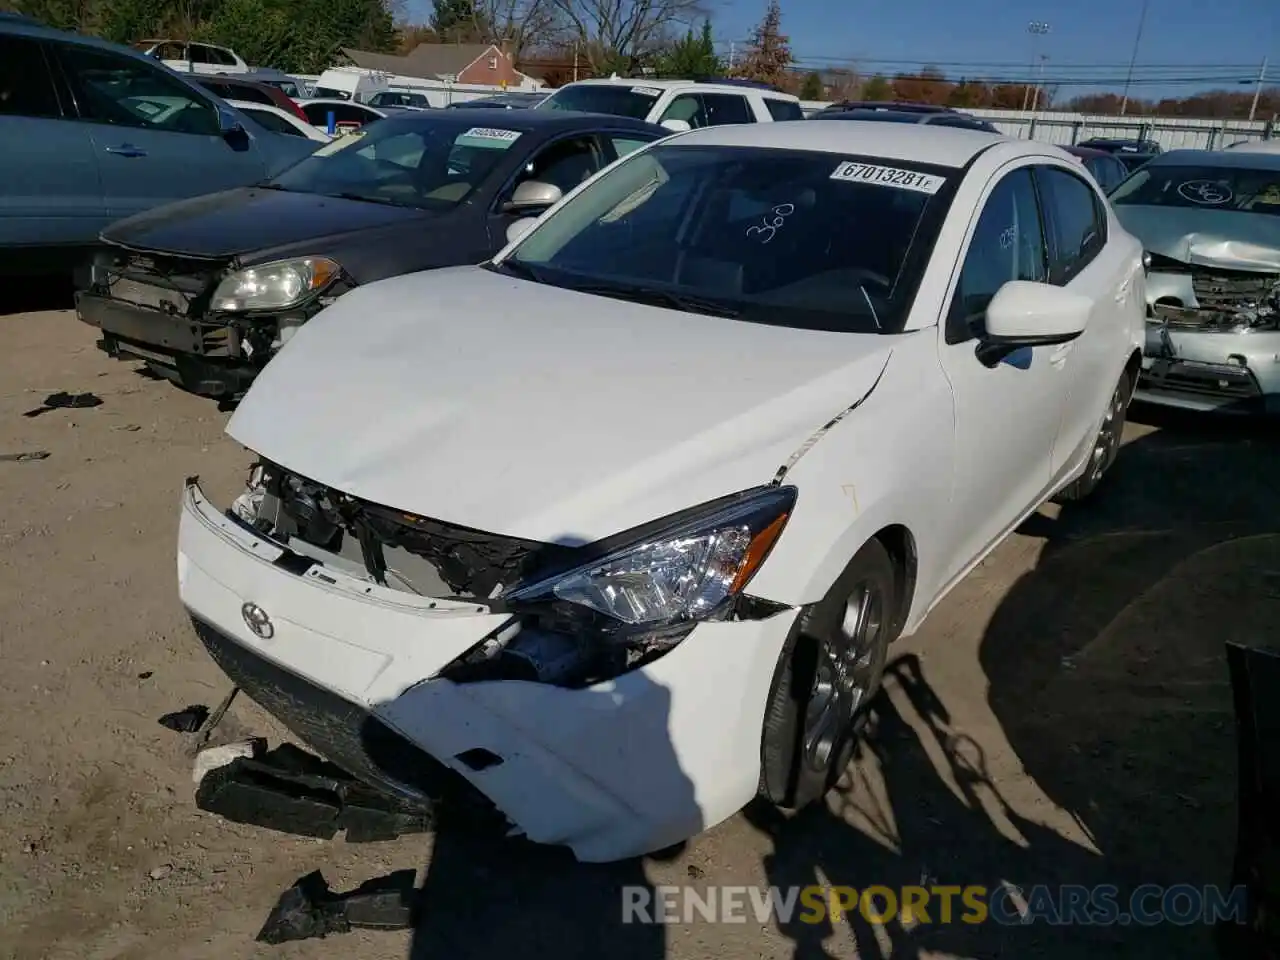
(1227, 239)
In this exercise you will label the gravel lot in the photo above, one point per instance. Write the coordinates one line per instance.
(1063, 717)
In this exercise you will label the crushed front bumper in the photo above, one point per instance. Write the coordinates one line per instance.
(185, 351)
(1217, 372)
(612, 771)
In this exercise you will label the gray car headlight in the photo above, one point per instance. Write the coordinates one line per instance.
(683, 572)
(274, 286)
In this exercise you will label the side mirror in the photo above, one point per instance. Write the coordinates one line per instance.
(677, 126)
(533, 195)
(1028, 314)
(520, 228)
(232, 130)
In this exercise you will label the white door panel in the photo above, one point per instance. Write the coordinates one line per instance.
(1006, 416)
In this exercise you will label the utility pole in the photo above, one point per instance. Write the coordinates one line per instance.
(1133, 59)
(1257, 92)
(1036, 28)
(1035, 100)
(575, 61)
(731, 49)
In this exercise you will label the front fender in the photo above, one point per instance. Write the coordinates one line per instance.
(890, 462)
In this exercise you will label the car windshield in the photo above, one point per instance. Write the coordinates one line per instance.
(1206, 187)
(619, 101)
(800, 239)
(329, 93)
(434, 164)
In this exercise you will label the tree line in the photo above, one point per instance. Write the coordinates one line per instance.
(559, 40)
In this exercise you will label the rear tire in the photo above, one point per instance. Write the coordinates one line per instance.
(827, 674)
(1106, 445)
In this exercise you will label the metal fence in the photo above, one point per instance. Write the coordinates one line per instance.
(1172, 133)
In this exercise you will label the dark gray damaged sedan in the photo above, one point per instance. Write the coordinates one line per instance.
(206, 290)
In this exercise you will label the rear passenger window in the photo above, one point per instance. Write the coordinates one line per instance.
(1008, 244)
(784, 109)
(1078, 223)
(26, 87)
(723, 108)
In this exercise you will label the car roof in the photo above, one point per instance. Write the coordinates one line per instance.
(1227, 159)
(1088, 152)
(903, 106)
(680, 85)
(539, 121)
(920, 142)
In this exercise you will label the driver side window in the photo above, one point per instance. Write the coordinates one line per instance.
(1007, 244)
(132, 93)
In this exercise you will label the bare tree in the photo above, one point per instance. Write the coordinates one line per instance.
(523, 24)
(619, 34)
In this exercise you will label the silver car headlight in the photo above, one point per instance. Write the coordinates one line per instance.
(632, 597)
(685, 571)
(274, 286)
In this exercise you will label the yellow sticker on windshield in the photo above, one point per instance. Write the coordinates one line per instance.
(341, 142)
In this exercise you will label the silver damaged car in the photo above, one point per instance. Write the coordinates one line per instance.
(1210, 224)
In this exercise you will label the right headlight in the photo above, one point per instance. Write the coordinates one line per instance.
(634, 596)
(275, 286)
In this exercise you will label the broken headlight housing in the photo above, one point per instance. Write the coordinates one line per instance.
(632, 597)
(274, 286)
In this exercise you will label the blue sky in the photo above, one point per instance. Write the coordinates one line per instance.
(1088, 39)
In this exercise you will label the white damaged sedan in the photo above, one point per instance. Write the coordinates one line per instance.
(618, 527)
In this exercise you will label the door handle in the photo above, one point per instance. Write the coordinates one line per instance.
(127, 150)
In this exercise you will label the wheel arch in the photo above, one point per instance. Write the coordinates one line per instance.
(900, 544)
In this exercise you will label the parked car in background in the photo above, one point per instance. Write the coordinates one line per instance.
(193, 57)
(937, 118)
(1210, 223)
(94, 132)
(676, 104)
(504, 101)
(400, 98)
(1105, 168)
(292, 87)
(234, 88)
(1132, 153)
(1256, 146)
(206, 291)
(346, 115)
(271, 117)
(346, 83)
(619, 527)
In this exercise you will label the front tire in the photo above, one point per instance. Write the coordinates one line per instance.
(1106, 445)
(827, 674)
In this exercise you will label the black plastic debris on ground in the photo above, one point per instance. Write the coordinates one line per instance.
(65, 401)
(295, 792)
(186, 721)
(1255, 690)
(309, 909)
(23, 456)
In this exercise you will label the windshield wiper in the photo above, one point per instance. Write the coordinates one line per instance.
(520, 269)
(365, 198)
(662, 298)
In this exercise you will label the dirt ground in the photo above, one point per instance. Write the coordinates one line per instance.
(1064, 717)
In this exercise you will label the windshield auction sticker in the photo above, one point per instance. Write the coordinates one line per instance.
(489, 133)
(647, 91)
(888, 177)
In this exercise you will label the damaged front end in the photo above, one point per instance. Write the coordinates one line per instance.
(572, 621)
(1213, 337)
(605, 696)
(208, 324)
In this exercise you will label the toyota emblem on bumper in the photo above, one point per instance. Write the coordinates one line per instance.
(256, 619)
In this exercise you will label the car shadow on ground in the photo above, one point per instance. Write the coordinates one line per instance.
(1107, 677)
(35, 294)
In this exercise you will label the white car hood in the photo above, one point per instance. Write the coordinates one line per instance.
(538, 412)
